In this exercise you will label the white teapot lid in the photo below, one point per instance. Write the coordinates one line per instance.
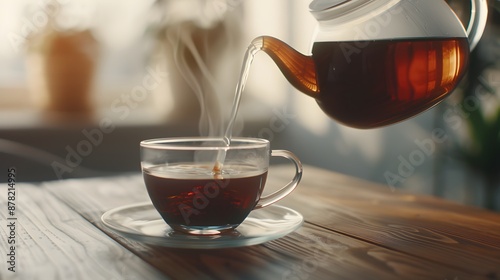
(332, 9)
(362, 20)
(322, 5)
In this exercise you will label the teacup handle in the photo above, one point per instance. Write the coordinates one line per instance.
(288, 188)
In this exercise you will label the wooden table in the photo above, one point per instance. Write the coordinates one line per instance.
(353, 230)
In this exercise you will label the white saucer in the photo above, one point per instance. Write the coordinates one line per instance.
(143, 223)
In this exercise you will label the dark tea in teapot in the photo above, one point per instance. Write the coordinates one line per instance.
(375, 83)
(364, 84)
(368, 84)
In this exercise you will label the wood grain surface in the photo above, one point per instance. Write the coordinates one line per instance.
(55, 242)
(463, 238)
(353, 230)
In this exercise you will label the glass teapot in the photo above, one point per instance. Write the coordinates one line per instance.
(378, 62)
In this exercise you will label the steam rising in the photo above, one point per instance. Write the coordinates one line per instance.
(199, 77)
(201, 39)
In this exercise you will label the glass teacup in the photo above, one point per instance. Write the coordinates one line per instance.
(194, 197)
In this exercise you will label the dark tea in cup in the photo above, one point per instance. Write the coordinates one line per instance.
(192, 198)
(190, 194)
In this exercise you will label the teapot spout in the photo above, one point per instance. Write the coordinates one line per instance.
(299, 69)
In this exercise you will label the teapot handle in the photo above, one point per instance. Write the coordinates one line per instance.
(477, 22)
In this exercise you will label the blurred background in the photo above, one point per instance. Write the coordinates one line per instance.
(82, 82)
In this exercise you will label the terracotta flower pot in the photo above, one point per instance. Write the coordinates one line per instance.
(61, 68)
